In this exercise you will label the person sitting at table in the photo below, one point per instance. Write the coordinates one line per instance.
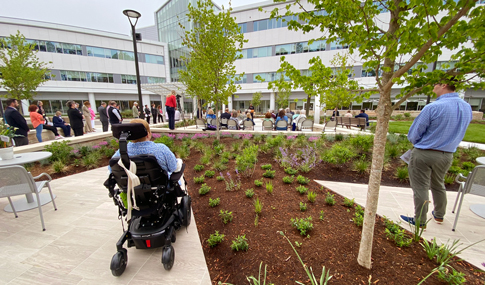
(234, 118)
(39, 123)
(281, 116)
(60, 123)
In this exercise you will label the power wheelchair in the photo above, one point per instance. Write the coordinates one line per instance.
(162, 206)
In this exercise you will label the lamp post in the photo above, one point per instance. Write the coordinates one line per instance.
(132, 14)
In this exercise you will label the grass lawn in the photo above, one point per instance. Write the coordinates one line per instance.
(474, 133)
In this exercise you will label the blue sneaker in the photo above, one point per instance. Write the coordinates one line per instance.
(436, 219)
(411, 221)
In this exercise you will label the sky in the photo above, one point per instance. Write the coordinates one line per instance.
(105, 15)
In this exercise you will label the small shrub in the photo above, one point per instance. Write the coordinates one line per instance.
(322, 214)
(258, 182)
(84, 150)
(399, 237)
(338, 154)
(269, 173)
(220, 178)
(214, 202)
(329, 199)
(204, 189)
(291, 171)
(304, 225)
(348, 203)
(199, 180)
(258, 206)
(240, 243)
(339, 137)
(249, 193)
(398, 117)
(449, 179)
(407, 115)
(198, 167)
(301, 189)
(468, 166)
(392, 151)
(215, 239)
(245, 162)
(206, 159)
(61, 151)
(432, 249)
(226, 216)
(288, 179)
(455, 277)
(166, 140)
(219, 166)
(302, 180)
(209, 173)
(266, 166)
(91, 160)
(359, 210)
(312, 196)
(269, 187)
(455, 170)
(402, 173)
(472, 152)
(59, 166)
(361, 166)
(303, 207)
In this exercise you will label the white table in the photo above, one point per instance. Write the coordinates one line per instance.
(479, 209)
(30, 201)
(481, 160)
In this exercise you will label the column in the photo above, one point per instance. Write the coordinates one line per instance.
(272, 101)
(194, 107)
(146, 100)
(25, 106)
(92, 101)
(317, 109)
(230, 103)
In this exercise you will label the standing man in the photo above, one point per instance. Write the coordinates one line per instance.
(170, 105)
(147, 114)
(15, 119)
(435, 134)
(251, 109)
(136, 112)
(114, 114)
(154, 113)
(103, 116)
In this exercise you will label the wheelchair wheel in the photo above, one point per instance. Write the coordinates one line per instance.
(118, 262)
(186, 211)
(168, 257)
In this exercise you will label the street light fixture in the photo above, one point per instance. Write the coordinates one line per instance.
(132, 14)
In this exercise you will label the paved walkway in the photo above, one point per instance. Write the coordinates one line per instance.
(395, 201)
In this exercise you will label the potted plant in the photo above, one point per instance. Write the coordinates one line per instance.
(7, 133)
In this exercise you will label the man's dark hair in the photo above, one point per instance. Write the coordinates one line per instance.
(103, 103)
(10, 101)
(362, 111)
(451, 83)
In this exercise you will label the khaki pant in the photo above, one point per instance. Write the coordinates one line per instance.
(427, 170)
(87, 125)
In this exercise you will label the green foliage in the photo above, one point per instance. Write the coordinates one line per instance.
(20, 69)
(399, 237)
(301, 189)
(84, 150)
(454, 170)
(358, 219)
(322, 214)
(249, 193)
(198, 167)
(235, 147)
(269, 187)
(303, 207)
(209, 173)
(204, 189)
(245, 163)
(214, 202)
(258, 206)
(215, 239)
(339, 137)
(449, 179)
(398, 117)
(338, 154)
(108, 152)
(468, 166)
(288, 179)
(226, 216)
(258, 182)
(432, 249)
(361, 166)
(312, 196)
(302, 180)
(269, 173)
(407, 115)
(391, 226)
(206, 158)
(329, 199)
(61, 151)
(258, 281)
(392, 151)
(472, 153)
(304, 225)
(455, 277)
(220, 178)
(199, 180)
(91, 160)
(362, 143)
(291, 171)
(402, 173)
(348, 202)
(58, 166)
(240, 243)
(266, 166)
(166, 140)
(219, 166)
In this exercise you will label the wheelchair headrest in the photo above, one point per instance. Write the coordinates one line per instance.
(135, 131)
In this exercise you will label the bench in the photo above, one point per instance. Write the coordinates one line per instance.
(353, 122)
(46, 135)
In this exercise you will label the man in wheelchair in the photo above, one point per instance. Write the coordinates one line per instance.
(150, 197)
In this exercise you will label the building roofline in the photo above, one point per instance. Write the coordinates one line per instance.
(254, 5)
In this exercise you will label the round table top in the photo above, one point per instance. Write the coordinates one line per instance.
(481, 160)
(27, 157)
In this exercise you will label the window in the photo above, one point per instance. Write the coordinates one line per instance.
(244, 79)
(73, 75)
(317, 46)
(444, 65)
(98, 52)
(337, 45)
(261, 52)
(152, 80)
(244, 53)
(265, 76)
(157, 59)
(260, 25)
(243, 27)
(369, 73)
(68, 48)
(128, 79)
(126, 55)
(286, 49)
(58, 47)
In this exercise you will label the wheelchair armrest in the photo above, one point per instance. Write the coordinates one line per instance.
(177, 175)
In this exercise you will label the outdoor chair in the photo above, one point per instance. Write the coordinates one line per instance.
(199, 123)
(290, 123)
(307, 126)
(232, 125)
(268, 126)
(281, 124)
(473, 184)
(15, 180)
(224, 123)
(211, 121)
(330, 126)
(248, 125)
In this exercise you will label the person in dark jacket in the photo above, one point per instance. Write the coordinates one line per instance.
(15, 119)
(103, 116)
(75, 118)
(114, 114)
(154, 113)
(59, 122)
(147, 114)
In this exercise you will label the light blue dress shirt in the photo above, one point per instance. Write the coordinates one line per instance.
(442, 124)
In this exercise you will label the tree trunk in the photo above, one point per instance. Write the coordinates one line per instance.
(307, 109)
(218, 131)
(384, 111)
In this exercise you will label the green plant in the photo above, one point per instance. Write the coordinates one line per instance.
(322, 214)
(348, 202)
(91, 160)
(204, 189)
(269, 173)
(291, 171)
(431, 249)
(301, 189)
(269, 187)
(288, 179)
(220, 178)
(266, 166)
(209, 173)
(312, 197)
(454, 170)
(402, 173)
(302, 180)
(108, 152)
(339, 137)
(226, 216)
(240, 243)
(215, 239)
(61, 151)
(246, 162)
(219, 166)
(304, 225)
(391, 226)
(329, 199)
(258, 182)
(407, 115)
(303, 207)
(358, 219)
(258, 281)
(214, 202)
(361, 166)
(338, 154)
(468, 166)
(205, 159)
(198, 167)
(455, 277)
(472, 152)
(258, 206)
(449, 178)
(166, 140)
(8, 133)
(392, 151)
(249, 193)
(199, 180)
(398, 117)
(362, 143)
(58, 166)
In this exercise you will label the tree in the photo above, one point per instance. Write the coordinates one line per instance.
(20, 69)
(215, 41)
(256, 101)
(399, 45)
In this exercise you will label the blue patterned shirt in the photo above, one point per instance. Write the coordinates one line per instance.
(442, 124)
(166, 159)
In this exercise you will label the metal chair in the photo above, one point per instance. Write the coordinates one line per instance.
(281, 124)
(224, 123)
(232, 125)
(307, 126)
(211, 121)
(199, 123)
(268, 126)
(330, 125)
(473, 184)
(248, 125)
(290, 122)
(15, 180)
